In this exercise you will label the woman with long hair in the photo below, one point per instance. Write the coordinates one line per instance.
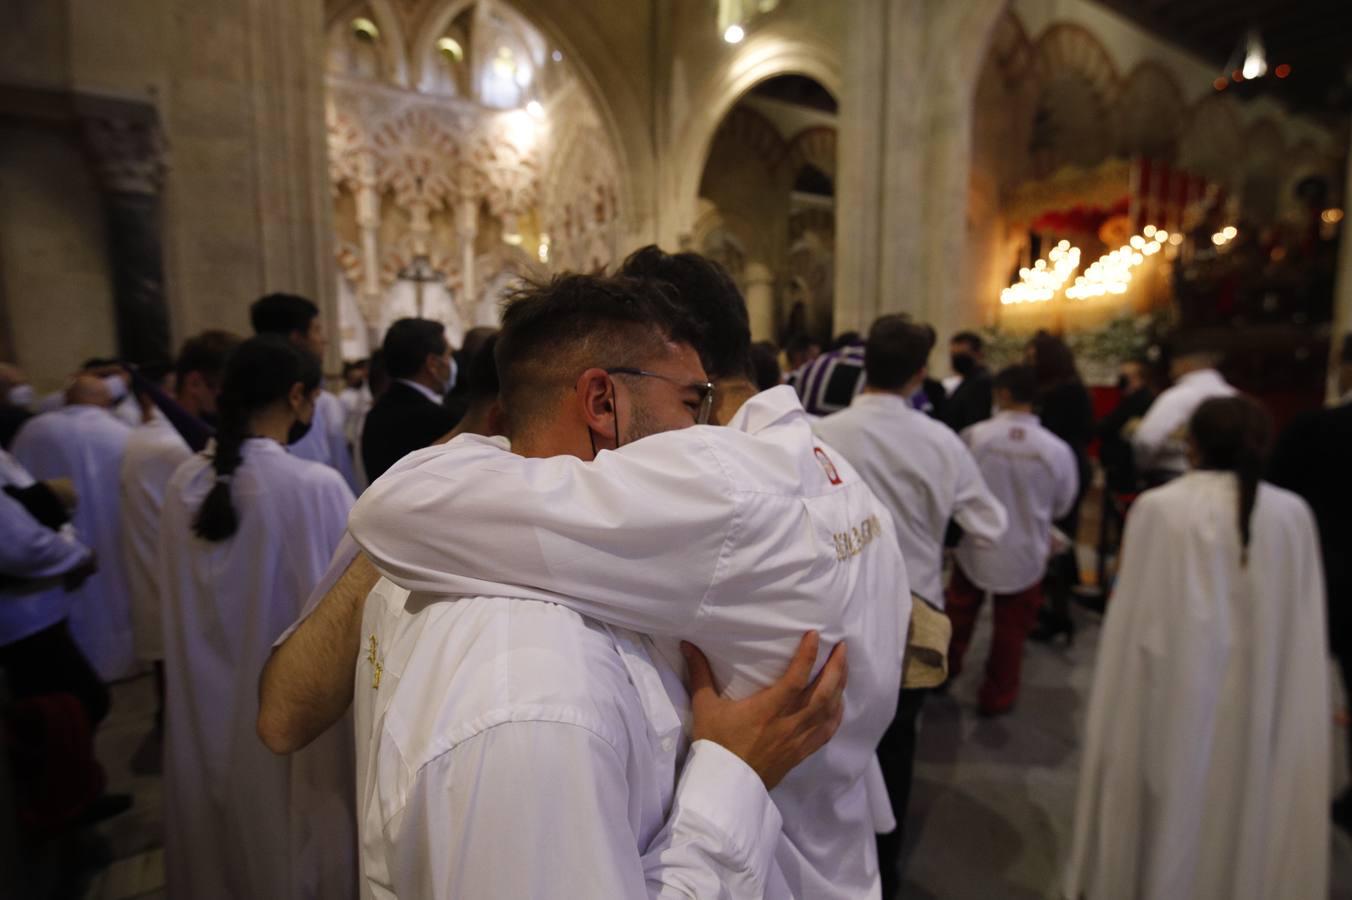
(246, 533)
(1206, 763)
(1065, 409)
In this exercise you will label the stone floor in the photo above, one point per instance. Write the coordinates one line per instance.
(990, 812)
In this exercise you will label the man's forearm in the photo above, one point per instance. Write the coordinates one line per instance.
(306, 684)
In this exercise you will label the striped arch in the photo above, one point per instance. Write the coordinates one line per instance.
(1212, 143)
(747, 128)
(1072, 49)
(1151, 113)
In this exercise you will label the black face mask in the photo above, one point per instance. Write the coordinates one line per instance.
(211, 420)
(963, 363)
(1122, 383)
(297, 432)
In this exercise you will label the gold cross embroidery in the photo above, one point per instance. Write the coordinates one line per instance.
(371, 657)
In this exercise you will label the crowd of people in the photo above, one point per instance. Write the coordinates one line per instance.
(607, 603)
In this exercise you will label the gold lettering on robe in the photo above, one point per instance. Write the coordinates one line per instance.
(375, 664)
(852, 543)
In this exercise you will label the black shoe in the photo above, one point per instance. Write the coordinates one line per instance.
(1053, 627)
(104, 806)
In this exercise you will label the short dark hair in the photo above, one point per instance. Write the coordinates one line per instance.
(710, 297)
(353, 365)
(1053, 360)
(765, 363)
(207, 354)
(970, 338)
(554, 331)
(845, 339)
(409, 342)
(896, 350)
(282, 314)
(1020, 381)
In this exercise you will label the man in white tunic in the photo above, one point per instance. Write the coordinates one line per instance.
(1206, 761)
(1160, 441)
(83, 441)
(154, 451)
(737, 538)
(245, 534)
(297, 320)
(926, 476)
(1034, 475)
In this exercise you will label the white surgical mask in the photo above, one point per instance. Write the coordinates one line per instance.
(21, 395)
(451, 377)
(117, 387)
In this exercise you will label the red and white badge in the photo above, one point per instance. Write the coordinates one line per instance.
(827, 466)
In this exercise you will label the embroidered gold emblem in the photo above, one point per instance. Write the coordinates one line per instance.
(375, 664)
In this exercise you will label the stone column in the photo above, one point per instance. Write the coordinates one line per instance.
(467, 229)
(129, 159)
(760, 300)
(905, 121)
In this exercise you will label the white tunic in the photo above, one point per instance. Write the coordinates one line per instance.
(924, 473)
(239, 821)
(1206, 763)
(85, 444)
(29, 549)
(326, 441)
(1160, 441)
(1033, 474)
(511, 754)
(154, 451)
(738, 539)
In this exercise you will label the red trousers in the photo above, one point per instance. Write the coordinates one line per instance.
(1015, 616)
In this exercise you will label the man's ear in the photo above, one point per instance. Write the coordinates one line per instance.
(596, 391)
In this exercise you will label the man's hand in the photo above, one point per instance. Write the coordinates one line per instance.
(777, 728)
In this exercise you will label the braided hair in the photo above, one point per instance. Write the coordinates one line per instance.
(1234, 434)
(259, 373)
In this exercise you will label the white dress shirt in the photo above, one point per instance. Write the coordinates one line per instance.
(738, 539)
(29, 549)
(923, 472)
(85, 444)
(154, 451)
(1034, 475)
(1161, 441)
(510, 755)
(326, 441)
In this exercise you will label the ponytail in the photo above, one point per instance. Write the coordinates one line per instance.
(260, 373)
(1234, 434)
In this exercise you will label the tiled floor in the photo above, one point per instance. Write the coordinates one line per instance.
(990, 814)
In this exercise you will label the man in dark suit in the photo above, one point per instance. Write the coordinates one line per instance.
(1313, 457)
(971, 400)
(410, 414)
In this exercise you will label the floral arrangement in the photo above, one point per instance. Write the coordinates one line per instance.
(1098, 352)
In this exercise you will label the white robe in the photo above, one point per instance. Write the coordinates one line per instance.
(241, 822)
(1206, 763)
(326, 441)
(154, 452)
(86, 444)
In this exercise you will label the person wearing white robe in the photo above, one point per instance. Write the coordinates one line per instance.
(85, 442)
(736, 538)
(246, 532)
(154, 451)
(1160, 441)
(1206, 759)
(297, 320)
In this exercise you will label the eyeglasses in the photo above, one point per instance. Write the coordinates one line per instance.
(705, 388)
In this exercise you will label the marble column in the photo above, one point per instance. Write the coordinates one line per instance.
(760, 300)
(467, 230)
(129, 159)
(905, 141)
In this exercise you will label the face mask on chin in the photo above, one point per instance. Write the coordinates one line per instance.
(117, 387)
(963, 364)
